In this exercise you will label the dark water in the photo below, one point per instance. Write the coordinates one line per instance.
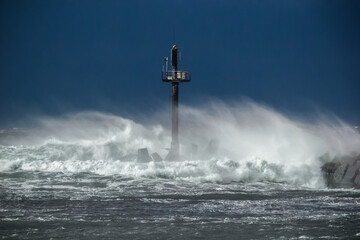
(40, 205)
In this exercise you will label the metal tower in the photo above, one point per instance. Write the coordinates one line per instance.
(174, 77)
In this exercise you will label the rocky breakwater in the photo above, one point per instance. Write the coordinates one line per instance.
(342, 172)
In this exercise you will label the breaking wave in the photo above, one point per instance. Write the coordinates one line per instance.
(244, 142)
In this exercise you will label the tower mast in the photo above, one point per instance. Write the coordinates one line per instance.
(174, 77)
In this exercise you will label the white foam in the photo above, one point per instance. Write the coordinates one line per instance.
(256, 143)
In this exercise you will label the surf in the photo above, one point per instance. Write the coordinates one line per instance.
(221, 143)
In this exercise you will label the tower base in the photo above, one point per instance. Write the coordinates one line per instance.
(172, 156)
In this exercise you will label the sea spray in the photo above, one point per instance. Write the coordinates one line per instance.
(254, 143)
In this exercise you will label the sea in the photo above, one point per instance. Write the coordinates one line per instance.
(245, 172)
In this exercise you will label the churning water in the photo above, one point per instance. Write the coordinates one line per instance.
(76, 177)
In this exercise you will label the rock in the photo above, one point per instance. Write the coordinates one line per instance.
(343, 172)
(156, 157)
(143, 155)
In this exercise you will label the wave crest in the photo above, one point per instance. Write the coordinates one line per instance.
(253, 143)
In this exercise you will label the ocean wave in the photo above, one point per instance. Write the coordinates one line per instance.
(247, 142)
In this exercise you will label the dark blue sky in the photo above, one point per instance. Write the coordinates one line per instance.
(60, 56)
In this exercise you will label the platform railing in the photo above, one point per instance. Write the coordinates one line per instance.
(175, 76)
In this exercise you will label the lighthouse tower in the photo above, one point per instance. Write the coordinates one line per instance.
(175, 77)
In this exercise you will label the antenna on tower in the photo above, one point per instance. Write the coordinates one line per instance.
(175, 77)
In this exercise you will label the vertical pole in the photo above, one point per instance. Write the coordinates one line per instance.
(174, 152)
(175, 120)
